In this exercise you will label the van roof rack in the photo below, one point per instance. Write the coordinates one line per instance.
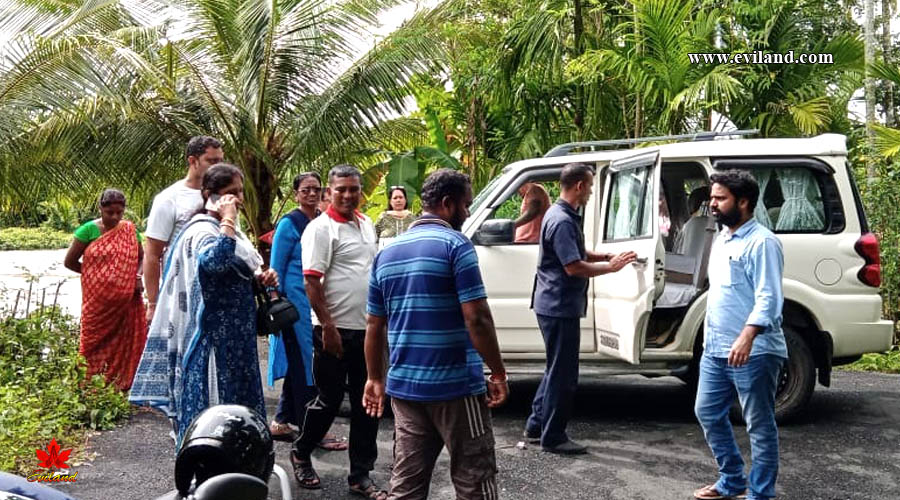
(564, 149)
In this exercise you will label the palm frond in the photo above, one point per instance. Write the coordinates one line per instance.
(372, 90)
(886, 72)
(812, 115)
(887, 141)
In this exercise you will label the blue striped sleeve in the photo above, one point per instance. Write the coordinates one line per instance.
(469, 286)
(375, 300)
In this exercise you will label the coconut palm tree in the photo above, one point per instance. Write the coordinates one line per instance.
(107, 91)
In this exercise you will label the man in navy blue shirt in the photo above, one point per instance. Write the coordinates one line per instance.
(560, 301)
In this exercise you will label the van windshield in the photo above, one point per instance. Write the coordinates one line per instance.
(484, 194)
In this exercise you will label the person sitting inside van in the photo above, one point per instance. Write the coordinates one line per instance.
(696, 200)
(535, 202)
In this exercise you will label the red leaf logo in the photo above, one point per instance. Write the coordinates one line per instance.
(53, 458)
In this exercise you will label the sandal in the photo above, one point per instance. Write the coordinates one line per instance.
(709, 492)
(282, 432)
(305, 474)
(366, 488)
(332, 443)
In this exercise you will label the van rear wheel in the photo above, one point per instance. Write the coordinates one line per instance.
(797, 379)
(796, 382)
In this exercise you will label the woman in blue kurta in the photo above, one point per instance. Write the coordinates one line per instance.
(291, 353)
(201, 349)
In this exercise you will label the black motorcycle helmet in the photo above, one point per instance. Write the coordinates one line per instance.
(223, 439)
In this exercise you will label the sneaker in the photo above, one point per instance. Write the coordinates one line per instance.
(567, 448)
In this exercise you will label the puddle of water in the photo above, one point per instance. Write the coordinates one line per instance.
(42, 271)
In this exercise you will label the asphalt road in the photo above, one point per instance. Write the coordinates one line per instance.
(644, 444)
(644, 441)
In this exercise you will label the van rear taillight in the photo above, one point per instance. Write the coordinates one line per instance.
(867, 247)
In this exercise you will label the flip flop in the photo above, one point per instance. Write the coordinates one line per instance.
(366, 488)
(332, 443)
(282, 432)
(709, 492)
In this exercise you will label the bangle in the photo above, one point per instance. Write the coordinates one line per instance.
(502, 380)
(224, 224)
(228, 219)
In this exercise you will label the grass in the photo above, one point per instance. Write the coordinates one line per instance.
(45, 393)
(33, 238)
(888, 362)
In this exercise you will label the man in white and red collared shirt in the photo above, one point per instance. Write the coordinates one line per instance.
(338, 248)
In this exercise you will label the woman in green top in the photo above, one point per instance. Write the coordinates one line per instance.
(395, 221)
(107, 253)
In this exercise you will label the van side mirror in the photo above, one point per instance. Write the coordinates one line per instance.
(495, 232)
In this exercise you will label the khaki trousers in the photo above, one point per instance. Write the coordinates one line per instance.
(423, 429)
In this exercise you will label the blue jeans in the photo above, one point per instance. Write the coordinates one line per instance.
(552, 405)
(754, 384)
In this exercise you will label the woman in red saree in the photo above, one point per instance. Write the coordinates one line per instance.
(113, 322)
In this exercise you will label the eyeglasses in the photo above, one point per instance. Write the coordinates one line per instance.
(308, 190)
(398, 187)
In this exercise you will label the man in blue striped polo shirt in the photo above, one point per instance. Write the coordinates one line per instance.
(426, 289)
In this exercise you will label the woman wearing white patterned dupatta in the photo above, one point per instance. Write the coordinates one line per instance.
(201, 349)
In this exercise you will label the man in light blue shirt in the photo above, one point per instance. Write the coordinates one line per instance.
(744, 346)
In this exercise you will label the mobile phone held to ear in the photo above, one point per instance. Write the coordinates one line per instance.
(212, 203)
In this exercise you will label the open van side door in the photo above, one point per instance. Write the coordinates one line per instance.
(628, 221)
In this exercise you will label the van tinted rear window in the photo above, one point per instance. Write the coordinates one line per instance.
(796, 195)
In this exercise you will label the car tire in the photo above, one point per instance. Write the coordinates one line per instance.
(796, 381)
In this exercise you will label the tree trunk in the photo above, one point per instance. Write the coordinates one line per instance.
(259, 192)
(890, 117)
(579, 88)
(639, 101)
(871, 173)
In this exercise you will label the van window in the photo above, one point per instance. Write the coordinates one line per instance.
(527, 206)
(790, 200)
(686, 190)
(630, 209)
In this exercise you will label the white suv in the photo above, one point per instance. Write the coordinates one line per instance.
(648, 318)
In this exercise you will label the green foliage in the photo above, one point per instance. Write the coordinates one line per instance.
(44, 393)
(99, 93)
(404, 170)
(33, 238)
(887, 140)
(888, 362)
(881, 198)
(510, 209)
(61, 214)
